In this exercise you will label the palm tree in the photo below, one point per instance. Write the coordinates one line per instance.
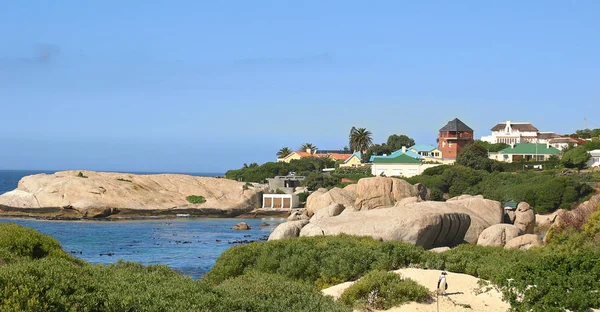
(283, 152)
(306, 146)
(360, 139)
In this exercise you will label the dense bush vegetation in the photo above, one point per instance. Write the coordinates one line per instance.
(196, 199)
(543, 190)
(383, 290)
(316, 180)
(285, 275)
(256, 173)
(36, 275)
(353, 173)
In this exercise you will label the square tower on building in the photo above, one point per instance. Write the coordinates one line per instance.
(453, 137)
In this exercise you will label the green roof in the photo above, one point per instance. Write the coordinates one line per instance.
(401, 159)
(530, 149)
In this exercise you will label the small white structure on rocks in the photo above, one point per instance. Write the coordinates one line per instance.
(280, 201)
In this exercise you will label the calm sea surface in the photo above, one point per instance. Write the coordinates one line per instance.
(189, 245)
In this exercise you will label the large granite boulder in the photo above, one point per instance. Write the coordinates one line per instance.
(379, 192)
(525, 218)
(524, 242)
(242, 226)
(329, 211)
(429, 226)
(298, 215)
(288, 229)
(483, 212)
(311, 230)
(90, 193)
(498, 235)
(319, 200)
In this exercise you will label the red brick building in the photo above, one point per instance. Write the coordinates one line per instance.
(453, 137)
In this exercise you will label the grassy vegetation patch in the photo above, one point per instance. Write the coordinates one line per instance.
(383, 290)
(196, 199)
(124, 180)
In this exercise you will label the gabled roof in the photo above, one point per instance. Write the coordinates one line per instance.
(306, 154)
(456, 125)
(521, 126)
(547, 135)
(398, 153)
(357, 154)
(595, 152)
(401, 159)
(530, 149)
(562, 140)
(338, 156)
(423, 147)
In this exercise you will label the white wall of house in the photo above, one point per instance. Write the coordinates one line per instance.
(400, 170)
(509, 157)
(594, 160)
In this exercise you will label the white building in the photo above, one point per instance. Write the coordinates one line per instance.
(595, 159)
(512, 133)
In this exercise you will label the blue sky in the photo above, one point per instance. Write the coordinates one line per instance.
(205, 86)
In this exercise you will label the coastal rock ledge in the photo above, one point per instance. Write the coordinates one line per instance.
(89, 194)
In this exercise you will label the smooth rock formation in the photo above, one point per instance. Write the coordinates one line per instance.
(380, 192)
(498, 235)
(242, 226)
(484, 213)
(319, 200)
(525, 218)
(311, 230)
(524, 242)
(428, 226)
(288, 230)
(101, 194)
(329, 211)
(298, 215)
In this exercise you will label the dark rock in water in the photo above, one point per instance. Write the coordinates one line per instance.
(108, 254)
(264, 224)
(218, 240)
(245, 241)
(264, 238)
(242, 226)
(247, 235)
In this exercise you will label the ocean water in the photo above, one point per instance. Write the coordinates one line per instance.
(188, 245)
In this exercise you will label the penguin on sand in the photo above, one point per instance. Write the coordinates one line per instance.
(442, 284)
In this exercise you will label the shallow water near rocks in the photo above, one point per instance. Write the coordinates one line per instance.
(188, 245)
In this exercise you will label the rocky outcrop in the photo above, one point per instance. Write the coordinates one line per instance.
(329, 211)
(379, 192)
(288, 230)
(525, 218)
(427, 226)
(498, 235)
(299, 214)
(242, 226)
(319, 199)
(524, 242)
(101, 194)
(483, 212)
(311, 230)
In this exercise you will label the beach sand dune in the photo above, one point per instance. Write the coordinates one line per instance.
(464, 293)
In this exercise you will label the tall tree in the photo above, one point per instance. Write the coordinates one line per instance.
(396, 142)
(352, 131)
(306, 146)
(475, 155)
(576, 158)
(360, 139)
(283, 152)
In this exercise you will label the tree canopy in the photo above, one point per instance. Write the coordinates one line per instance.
(396, 142)
(576, 157)
(360, 139)
(307, 146)
(283, 152)
(475, 156)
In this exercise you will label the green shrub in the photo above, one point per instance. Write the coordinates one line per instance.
(316, 180)
(256, 291)
(196, 199)
(80, 174)
(303, 196)
(124, 180)
(383, 290)
(20, 243)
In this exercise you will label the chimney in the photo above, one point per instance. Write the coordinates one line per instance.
(548, 144)
(308, 150)
(403, 149)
